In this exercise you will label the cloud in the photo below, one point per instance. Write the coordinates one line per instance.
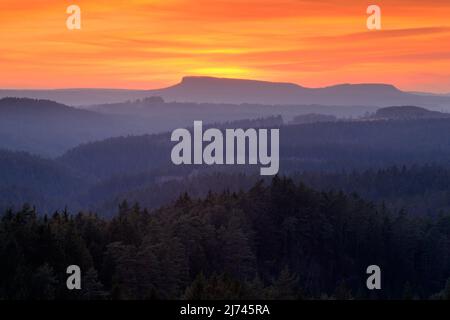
(151, 43)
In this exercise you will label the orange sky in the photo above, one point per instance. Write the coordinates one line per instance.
(153, 43)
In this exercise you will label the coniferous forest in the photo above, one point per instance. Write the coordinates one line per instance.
(350, 193)
(278, 240)
(240, 159)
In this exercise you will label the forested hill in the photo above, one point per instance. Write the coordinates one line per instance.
(407, 112)
(50, 185)
(30, 107)
(276, 241)
(421, 190)
(103, 172)
(342, 145)
(48, 128)
(31, 179)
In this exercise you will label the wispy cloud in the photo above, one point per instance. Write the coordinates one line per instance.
(152, 43)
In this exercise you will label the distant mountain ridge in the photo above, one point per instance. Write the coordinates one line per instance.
(223, 90)
(237, 91)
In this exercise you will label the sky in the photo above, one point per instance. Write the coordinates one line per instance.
(147, 44)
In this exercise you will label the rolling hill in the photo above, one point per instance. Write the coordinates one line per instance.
(408, 112)
(49, 128)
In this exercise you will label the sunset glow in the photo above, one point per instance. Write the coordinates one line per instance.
(154, 43)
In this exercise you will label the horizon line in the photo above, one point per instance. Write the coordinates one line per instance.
(443, 93)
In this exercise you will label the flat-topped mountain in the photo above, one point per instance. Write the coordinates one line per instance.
(237, 91)
(218, 90)
(202, 89)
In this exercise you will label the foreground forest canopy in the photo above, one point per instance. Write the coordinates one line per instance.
(279, 240)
